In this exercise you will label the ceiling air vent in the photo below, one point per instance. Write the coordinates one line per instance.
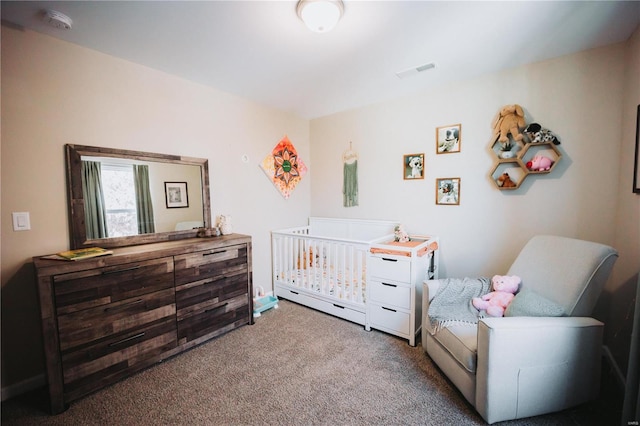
(415, 70)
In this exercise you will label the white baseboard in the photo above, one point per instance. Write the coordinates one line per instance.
(617, 373)
(24, 386)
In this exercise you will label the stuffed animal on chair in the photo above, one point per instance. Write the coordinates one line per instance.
(496, 302)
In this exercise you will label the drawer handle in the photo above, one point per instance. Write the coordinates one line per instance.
(294, 292)
(389, 285)
(389, 259)
(127, 339)
(388, 309)
(338, 306)
(117, 271)
(216, 308)
(124, 306)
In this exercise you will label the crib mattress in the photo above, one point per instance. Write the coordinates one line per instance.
(322, 282)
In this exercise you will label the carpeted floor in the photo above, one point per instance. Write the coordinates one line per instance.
(295, 366)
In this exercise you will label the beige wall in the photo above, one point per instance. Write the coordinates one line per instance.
(628, 208)
(54, 93)
(579, 97)
(620, 294)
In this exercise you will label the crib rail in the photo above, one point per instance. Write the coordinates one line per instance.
(330, 267)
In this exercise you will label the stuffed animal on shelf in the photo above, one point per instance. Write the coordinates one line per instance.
(539, 163)
(504, 181)
(400, 234)
(224, 223)
(537, 134)
(509, 120)
(496, 302)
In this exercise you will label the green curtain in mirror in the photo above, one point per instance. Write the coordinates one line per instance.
(94, 207)
(143, 200)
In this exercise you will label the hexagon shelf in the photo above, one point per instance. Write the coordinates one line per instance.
(522, 159)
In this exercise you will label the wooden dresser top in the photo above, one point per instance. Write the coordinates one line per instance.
(46, 267)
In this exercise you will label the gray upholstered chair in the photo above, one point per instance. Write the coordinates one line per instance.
(522, 366)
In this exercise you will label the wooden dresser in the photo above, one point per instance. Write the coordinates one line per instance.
(107, 317)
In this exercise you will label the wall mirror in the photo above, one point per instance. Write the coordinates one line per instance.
(121, 198)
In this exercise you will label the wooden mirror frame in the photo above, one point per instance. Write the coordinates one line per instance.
(75, 196)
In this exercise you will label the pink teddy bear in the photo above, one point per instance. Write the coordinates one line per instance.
(495, 303)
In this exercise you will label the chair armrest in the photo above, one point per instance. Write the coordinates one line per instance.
(429, 290)
(533, 365)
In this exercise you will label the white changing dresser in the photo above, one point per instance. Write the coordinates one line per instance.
(395, 273)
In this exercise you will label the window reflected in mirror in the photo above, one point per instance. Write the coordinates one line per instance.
(119, 200)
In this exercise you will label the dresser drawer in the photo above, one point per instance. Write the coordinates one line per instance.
(116, 356)
(82, 327)
(206, 306)
(211, 318)
(388, 293)
(212, 292)
(214, 263)
(390, 320)
(98, 287)
(390, 267)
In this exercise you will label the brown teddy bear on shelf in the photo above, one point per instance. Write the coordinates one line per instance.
(504, 181)
(509, 120)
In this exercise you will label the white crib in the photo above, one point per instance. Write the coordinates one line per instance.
(324, 265)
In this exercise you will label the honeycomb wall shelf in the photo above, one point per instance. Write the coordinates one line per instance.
(516, 166)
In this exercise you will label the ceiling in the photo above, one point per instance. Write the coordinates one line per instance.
(261, 51)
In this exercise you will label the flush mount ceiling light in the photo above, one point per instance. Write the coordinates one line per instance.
(57, 19)
(320, 16)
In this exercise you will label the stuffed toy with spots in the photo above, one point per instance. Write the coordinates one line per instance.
(537, 134)
(509, 120)
(496, 302)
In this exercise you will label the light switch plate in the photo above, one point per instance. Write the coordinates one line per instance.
(21, 221)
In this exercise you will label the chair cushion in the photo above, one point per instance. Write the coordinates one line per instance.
(462, 343)
(568, 271)
(528, 303)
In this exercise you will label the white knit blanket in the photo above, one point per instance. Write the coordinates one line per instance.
(451, 304)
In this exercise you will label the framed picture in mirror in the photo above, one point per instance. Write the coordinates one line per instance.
(176, 194)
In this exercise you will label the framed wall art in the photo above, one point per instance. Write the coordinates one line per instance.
(448, 139)
(448, 191)
(636, 164)
(284, 167)
(413, 166)
(176, 194)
